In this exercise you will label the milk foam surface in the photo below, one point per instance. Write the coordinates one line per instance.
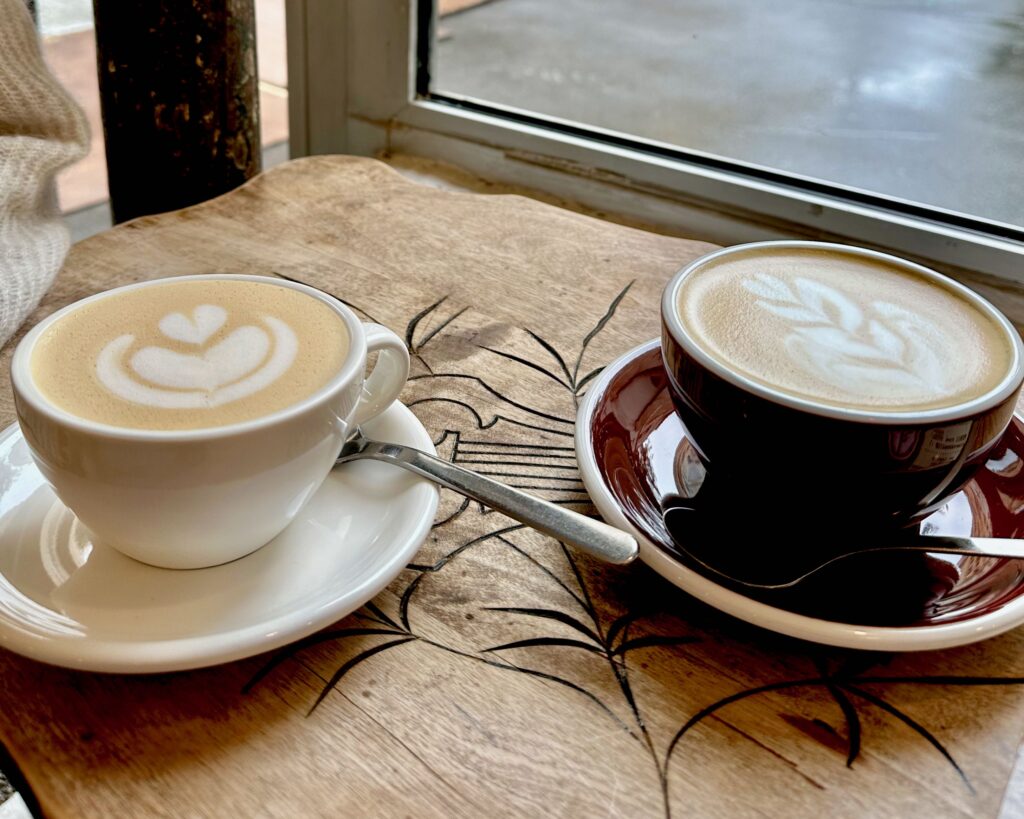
(189, 354)
(843, 330)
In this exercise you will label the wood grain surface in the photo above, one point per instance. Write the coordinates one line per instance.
(508, 677)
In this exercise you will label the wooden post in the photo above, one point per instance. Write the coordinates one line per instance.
(178, 87)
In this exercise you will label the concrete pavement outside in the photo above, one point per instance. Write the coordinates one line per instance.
(917, 99)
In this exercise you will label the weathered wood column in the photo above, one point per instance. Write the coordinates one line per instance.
(178, 87)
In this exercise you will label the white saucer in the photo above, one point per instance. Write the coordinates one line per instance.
(66, 601)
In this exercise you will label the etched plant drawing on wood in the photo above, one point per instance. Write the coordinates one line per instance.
(577, 626)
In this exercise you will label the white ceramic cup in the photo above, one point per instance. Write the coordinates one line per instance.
(186, 499)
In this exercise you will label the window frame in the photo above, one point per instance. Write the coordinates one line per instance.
(356, 83)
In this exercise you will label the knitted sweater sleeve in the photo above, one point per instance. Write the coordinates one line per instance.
(41, 131)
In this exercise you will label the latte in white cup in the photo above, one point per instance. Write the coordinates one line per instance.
(187, 421)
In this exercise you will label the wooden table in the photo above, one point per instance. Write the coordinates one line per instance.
(509, 306)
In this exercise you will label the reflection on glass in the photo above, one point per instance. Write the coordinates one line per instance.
(919, 100)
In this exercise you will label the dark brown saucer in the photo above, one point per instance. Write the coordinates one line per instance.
(636, 459)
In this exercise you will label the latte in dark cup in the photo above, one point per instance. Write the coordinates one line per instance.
(844, 330)
(823, 377)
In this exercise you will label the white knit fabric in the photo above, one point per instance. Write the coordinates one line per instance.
(41, 131)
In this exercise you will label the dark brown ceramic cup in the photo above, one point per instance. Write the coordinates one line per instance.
(762, 442)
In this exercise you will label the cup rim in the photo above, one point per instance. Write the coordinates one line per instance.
(1003, 390)
(26, 390)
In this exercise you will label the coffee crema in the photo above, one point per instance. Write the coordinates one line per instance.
(843, 330)
(189, 354)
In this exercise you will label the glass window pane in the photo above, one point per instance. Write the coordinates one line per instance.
(921, 100)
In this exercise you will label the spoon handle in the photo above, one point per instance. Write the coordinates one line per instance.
(788, 568)
(941, 544)
(945, 544)
(592, 536)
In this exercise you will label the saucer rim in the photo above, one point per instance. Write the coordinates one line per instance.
(85, 653)
(764, 615)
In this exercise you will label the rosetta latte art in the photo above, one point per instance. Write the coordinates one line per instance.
(850, 346)
(247, 360)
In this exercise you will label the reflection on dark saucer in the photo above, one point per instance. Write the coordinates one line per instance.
(771, 541)
(645, 459)
(889, 589)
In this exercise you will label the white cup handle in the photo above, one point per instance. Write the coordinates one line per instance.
(389, 375)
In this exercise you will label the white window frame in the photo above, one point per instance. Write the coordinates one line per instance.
(352, 89)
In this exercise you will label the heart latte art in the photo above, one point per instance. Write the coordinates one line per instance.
(247, 360)
(843, 330)
(189, 354)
